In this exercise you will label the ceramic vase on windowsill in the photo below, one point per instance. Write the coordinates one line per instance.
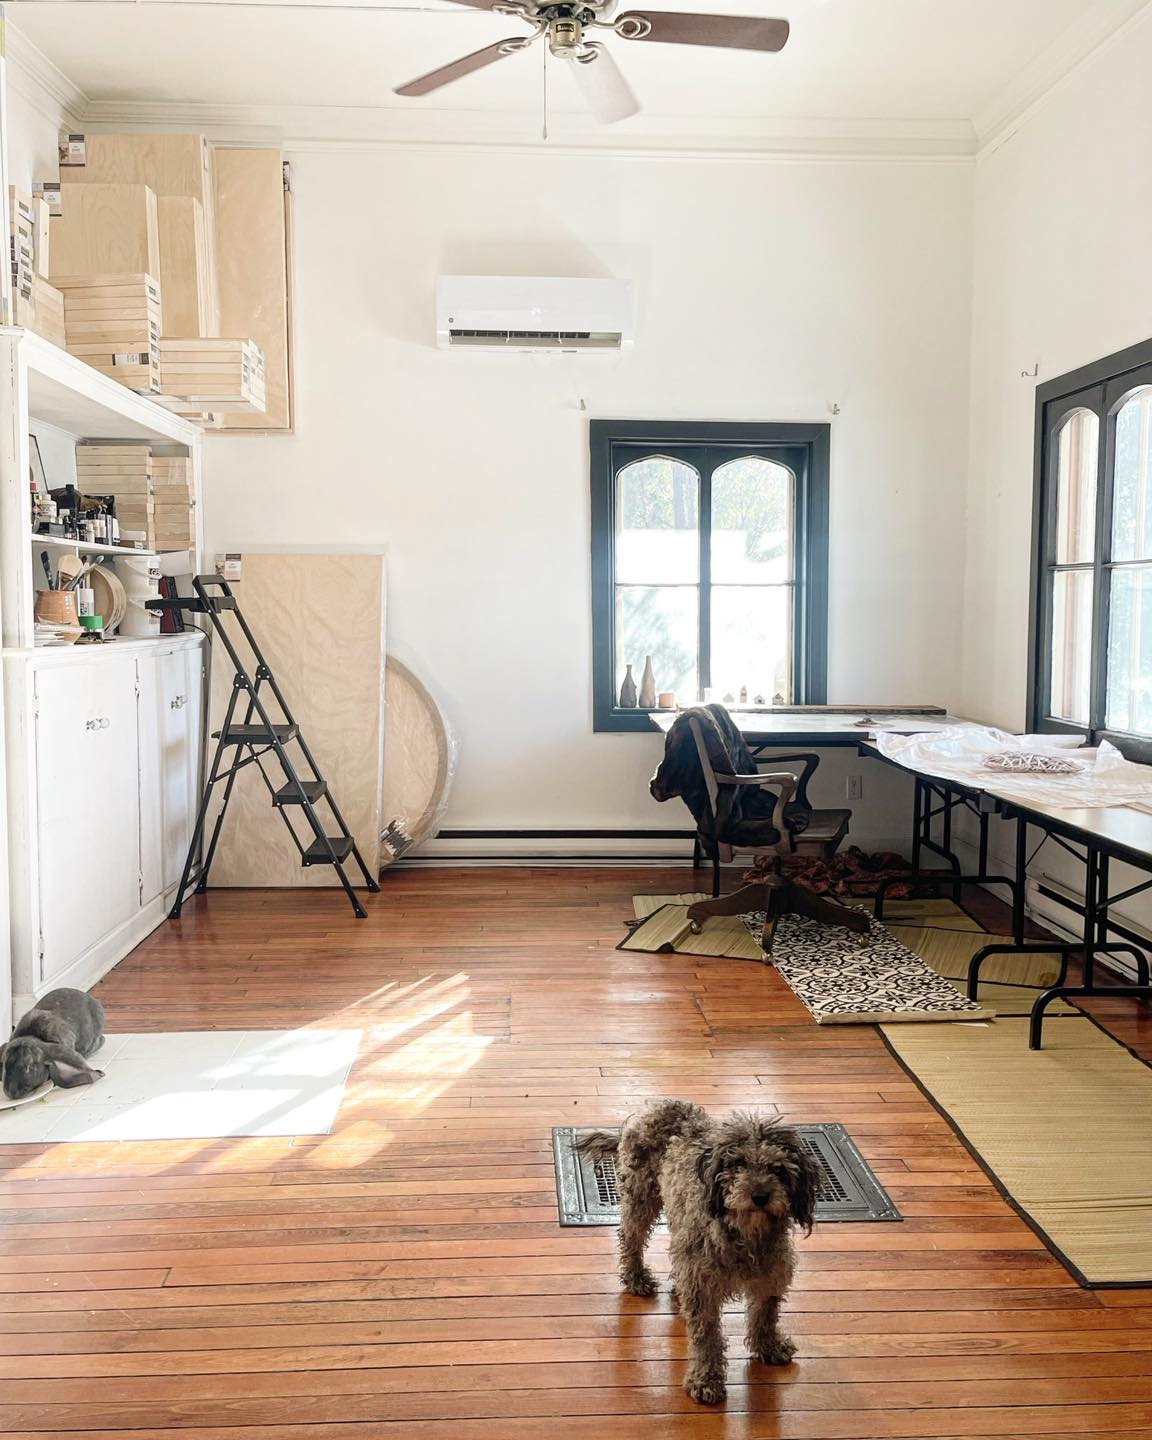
(648, 686)
(628, 690)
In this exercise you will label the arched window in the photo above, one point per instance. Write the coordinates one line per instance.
(709, 557)
(1092, 620)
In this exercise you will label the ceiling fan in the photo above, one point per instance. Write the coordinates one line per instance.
(568, 30)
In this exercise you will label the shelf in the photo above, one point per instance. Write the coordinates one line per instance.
(64, 392)
(90, 547)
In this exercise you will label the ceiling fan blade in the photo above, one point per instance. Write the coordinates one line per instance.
(730, 32)
(606, 92)
(464, 66)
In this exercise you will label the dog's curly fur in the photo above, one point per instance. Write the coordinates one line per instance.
(731, 1192)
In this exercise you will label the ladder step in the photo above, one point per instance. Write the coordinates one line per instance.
(290, 794)
(317, 852)
(254, 734)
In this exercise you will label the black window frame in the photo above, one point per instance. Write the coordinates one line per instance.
(1103, 388)
(809, 452)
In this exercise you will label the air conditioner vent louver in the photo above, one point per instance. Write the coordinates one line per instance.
(538, 339)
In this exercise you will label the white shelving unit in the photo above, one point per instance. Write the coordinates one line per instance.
(42, 385)
(101, 744)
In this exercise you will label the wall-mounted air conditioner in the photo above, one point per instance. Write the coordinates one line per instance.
(534, 314)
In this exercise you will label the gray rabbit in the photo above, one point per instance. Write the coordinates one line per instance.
(51, 1042)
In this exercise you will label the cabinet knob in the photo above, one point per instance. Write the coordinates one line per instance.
(98, 722)
(178, 703)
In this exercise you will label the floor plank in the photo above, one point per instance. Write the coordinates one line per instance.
(405, 1274)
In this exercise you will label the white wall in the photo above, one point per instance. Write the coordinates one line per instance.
(1063, 211)
(768, 291)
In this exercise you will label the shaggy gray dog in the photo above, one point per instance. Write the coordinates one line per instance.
(731, 1192)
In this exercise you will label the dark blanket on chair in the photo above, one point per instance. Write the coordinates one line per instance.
(743, 812)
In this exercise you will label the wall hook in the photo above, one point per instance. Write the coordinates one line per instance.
(1031, 374)
(833, 408)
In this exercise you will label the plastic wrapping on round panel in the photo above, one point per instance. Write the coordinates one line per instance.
(419, 763)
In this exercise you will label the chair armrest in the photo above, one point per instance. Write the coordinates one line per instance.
(809, 760)
(784, 779)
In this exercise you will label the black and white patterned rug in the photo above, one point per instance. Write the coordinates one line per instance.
(845, 978)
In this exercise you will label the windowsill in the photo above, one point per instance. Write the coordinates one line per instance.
(623, 722)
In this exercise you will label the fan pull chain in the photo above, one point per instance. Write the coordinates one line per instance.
(544, 127)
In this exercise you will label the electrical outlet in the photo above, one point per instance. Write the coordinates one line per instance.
(854, 787)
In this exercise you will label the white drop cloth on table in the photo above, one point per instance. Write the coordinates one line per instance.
(1106, 778)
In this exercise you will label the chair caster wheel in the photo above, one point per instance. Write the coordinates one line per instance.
(695, 927)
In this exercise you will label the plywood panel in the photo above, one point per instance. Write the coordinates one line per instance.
(320, 622)
(170, 164)
(106, 229)
(184, 267)
(252, 270)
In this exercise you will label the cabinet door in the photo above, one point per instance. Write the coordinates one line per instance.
(88, 814)
(185, 707)
(170, 729)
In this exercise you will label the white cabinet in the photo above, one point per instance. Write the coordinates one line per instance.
(172, 711)
(103, 768)
(87, 806)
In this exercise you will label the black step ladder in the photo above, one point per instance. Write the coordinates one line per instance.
(252, 740)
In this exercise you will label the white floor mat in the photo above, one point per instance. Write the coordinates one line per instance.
(197, 1085)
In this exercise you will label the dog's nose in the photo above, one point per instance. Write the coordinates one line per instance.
(761, 1198)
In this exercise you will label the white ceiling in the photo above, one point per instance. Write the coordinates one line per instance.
(860, 61)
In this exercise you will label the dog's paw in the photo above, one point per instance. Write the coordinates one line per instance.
(707, 1389)
(778, 1351)
(639, 1282)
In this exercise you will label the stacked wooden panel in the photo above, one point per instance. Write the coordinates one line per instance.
(178, 169)
(218, 375)
(22, 244)
(113, 323)
(175, 520)
(124, 471)
(36, 305)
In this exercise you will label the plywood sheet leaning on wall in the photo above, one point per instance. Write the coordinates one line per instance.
(252, 271)
(185, 267)
(105, 230)
(320, 622)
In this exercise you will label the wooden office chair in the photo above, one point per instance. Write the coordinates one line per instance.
(792, 827)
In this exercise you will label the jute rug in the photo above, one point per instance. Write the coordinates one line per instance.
(864, 987)
(1065, 1132)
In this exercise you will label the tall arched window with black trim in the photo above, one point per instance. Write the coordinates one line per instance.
(709, 554)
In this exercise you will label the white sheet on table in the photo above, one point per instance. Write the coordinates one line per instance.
(1107, 778)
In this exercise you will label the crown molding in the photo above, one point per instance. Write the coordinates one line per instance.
(45, 87)
(1103, 24)
(315, 128)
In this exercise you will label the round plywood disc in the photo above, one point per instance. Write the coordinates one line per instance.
(419, 761)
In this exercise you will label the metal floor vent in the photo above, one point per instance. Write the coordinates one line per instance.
(587, 1192)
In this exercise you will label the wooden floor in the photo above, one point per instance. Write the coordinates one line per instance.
(405, 1276)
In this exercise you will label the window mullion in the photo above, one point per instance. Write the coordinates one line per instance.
(1101, 577)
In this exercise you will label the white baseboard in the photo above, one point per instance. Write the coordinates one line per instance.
(108, 951)
(1050, 913)
(603, 848)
